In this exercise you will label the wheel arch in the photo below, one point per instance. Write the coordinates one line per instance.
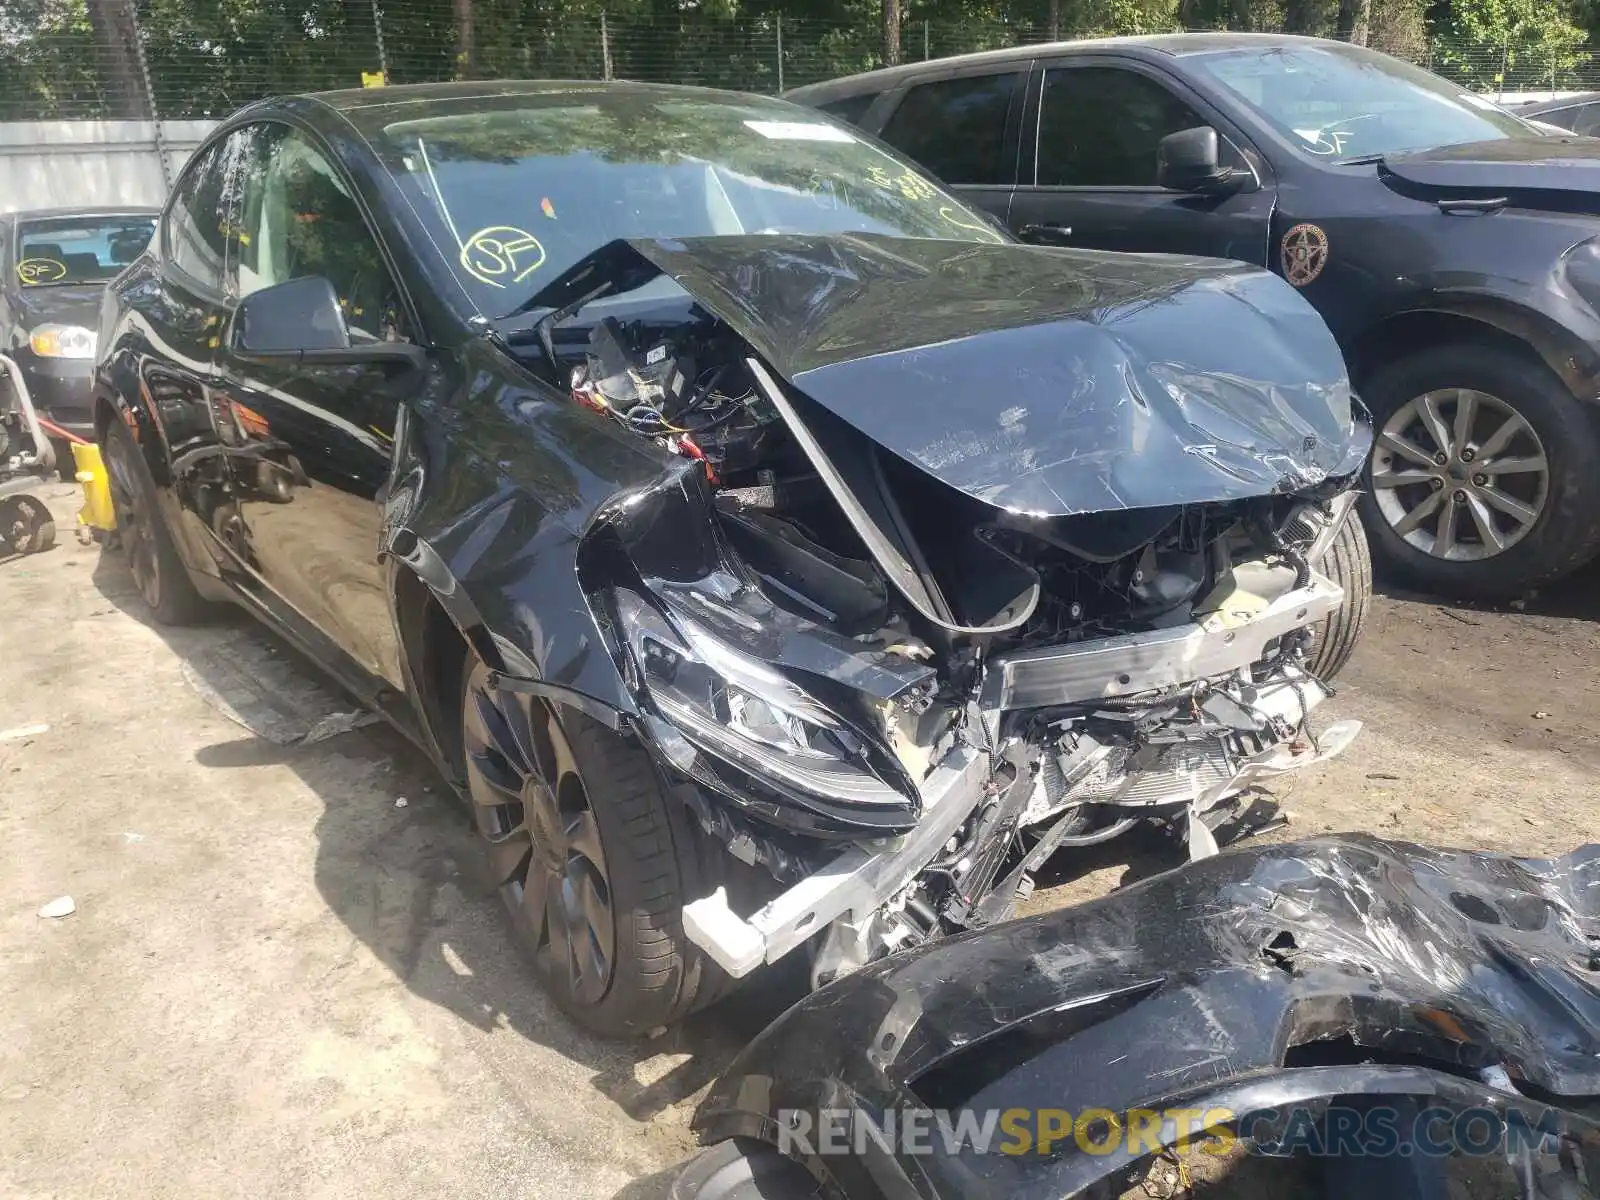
(1511, 327)
(437, 622)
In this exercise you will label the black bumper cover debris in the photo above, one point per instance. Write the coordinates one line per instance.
(1343, 968)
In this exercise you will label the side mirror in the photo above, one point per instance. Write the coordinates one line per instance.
(300, 322)
(1190, 161)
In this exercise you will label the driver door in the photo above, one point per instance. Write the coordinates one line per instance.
(317, 438)
(1088, 175)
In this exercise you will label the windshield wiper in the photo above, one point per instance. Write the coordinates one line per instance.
(1362, 160)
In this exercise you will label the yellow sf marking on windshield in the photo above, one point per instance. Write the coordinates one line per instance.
(949, 214)
(500, 250)
(41, 270)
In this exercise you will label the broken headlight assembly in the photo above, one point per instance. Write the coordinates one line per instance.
(741, 710)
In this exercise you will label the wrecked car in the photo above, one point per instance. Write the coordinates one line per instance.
(775, 554)
(1365, 1017)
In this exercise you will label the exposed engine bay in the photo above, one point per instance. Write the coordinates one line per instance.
(899, 693)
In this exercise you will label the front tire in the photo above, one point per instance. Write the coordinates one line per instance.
(1347, 562)
(158, 572)
(1482, 481)
(593, 862)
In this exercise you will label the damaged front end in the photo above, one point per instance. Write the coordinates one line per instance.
(959, 556)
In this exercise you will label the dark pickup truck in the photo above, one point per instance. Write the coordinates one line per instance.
(1452, 248)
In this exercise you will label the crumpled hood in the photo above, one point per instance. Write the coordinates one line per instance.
(1517, 168)
(1040, 380)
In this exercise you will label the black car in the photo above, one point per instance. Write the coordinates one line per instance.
(1450, 246)
(1579, 113)
(55, 266)
(775, 554)
(1367, 1018)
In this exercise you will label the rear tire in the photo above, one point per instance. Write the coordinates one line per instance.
(1553, 453)
(1348, 562)
(592, 860)
(158, 572)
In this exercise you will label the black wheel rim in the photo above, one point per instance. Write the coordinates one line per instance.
(543, 843)
(133, 524)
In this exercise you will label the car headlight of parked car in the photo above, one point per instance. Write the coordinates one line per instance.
(742, 710)
(62, 341)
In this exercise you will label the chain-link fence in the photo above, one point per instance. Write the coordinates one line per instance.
(73, 59)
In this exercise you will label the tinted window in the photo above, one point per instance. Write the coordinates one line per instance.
(1100, 126)
(1584, 119)
(956, 127)
(1338, 101)
(851, 109)
(517, 190)
(197, 221)
(79, 249)
(1564, 117)
(297, 219)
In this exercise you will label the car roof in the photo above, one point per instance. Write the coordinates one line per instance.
(370, 109)
(1543, 106)
(1172, 45)
(101, 210)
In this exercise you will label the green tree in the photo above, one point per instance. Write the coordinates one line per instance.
(1500, 44)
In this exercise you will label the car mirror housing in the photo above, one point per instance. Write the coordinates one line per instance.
(300, 321)
(1190, 161)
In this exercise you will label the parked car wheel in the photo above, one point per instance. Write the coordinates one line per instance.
(158, 572)
(592, 861)
(1481, 483)
(1348, 562)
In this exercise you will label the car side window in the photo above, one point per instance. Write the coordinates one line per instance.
(194, 235)
(1100, 127)
(851, 108)
(956, 127)
(298, 219)
(1585, 119)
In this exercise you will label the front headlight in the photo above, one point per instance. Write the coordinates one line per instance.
(740, 709)
(62, 341)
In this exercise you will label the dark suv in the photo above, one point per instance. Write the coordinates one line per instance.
(1451, 247)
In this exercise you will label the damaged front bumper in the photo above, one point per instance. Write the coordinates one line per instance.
(871, 875)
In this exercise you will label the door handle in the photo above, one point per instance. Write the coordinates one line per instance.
(1047, 231)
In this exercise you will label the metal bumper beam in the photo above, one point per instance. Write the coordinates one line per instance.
(1139, 662)
(861, 880)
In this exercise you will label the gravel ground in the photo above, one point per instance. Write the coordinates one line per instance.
(281, 981)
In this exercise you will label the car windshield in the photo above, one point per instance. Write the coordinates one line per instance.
(78, 249)
(517, 195)
(1343, 102)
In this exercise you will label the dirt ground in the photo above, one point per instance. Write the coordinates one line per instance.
(281, 981)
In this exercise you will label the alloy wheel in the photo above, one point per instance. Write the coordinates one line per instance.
(1460, 474)
(134, 527)
(541, 836)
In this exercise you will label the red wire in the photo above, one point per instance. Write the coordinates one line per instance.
(51, 427)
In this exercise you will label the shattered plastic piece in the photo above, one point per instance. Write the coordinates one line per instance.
(22, 731)
(334, 725)
(61, 906)
(1215, 985)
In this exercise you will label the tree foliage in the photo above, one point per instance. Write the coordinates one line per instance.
(69, 58)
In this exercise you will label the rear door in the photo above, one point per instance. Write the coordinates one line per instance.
(316, 440)
(1089, 165)
(963, 127)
